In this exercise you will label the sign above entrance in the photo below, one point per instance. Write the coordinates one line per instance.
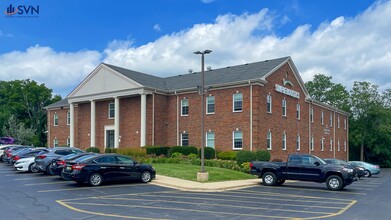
(287, 91)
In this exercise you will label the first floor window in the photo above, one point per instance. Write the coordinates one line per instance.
(331, 144)
(55, 119)
(184, 139)
(68, 141)
(55, 142)
(298, 142)
(312, 143)
(210, 139)
(238, 140)
(111, 110)
(284, 141)
(321, 144)
(338, 145)
(184, 107)
(269, 140)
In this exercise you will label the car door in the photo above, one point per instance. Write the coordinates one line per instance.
(310, 170)
(108, 167)
(293, 167)
(128, 167)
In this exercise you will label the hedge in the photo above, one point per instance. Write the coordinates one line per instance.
(227, 155)
(262, 155)
(185, 150)
(209, 152)
(93, 149)
(245, 156)
(157, 150)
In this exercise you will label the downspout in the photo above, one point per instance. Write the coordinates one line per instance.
(177, 119)
(251, 116)
(153, 118)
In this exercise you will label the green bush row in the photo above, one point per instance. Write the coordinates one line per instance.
(248, 156)
(93, 149)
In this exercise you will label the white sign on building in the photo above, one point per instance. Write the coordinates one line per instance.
(287, 91)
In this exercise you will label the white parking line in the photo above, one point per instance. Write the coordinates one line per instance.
(41, 177)
(37, 184)
(88, 188)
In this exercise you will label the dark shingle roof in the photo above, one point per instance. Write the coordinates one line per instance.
(59, 104)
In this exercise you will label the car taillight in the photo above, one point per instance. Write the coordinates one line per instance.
(61, 162)
(16, 158)
(376, 166)
(251, 166)
(78, 166)
(42, 156)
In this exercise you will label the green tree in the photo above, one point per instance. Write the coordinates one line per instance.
(26, 99)
(18, 130)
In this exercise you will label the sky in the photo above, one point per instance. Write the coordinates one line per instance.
(60, 42)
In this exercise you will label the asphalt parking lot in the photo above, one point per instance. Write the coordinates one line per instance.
(38, 196)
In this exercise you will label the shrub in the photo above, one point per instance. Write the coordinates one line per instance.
(157, 150)
(132, 152)
(227, 155)
(93, 149)
(176, 155)
(110, 150)
(185, 150)
(245, 156)
(209, 152)
(192, 156)
(246, 167)
(262, 155)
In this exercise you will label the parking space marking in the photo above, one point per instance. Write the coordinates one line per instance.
(87, 188)
(196, 199)
(47, 183)
(299, 187)
(30, 178)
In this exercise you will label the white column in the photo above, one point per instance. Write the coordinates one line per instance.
(92, 132)
(72, 124)
(143, 130)
(116, 122)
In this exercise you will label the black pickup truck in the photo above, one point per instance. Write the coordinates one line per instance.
(304, 167)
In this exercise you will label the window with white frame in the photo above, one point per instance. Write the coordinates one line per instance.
(344, 123)
(55, 119)
(55, 142)
(298, 110)
(312, 143)
(338, 121)
(184, 107)
(338, 145)
(238, 140)
(312, 114)
(331, 144)
(210, 105)
(284, 141)
(68, 141)
(68, 118)
(322, 144)
(184, 139)
(111, 110)
(269, 140)
(284, 107)
(269, 103)
(322, 117)
(210, 139)
(331, 120)
(344, 145)
(237, 102)
(298, 142)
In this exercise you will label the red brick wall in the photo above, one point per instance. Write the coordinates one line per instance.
(61, 132)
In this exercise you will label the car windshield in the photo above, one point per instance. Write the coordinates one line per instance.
(320, 160)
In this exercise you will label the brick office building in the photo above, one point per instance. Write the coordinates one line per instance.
(262, 105)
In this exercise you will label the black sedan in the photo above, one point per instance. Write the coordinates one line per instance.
(58, 164)
(107, 167)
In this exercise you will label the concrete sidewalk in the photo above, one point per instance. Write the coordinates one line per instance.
(187, 185)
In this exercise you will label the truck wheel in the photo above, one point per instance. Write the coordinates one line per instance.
(269, 179)
(334, 183)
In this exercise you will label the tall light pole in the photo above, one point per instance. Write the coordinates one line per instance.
(202, 92)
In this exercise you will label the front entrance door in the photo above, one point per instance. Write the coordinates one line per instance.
(109, 138)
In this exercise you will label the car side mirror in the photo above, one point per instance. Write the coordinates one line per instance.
(317, 163)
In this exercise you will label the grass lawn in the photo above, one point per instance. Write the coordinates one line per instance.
(189, 172)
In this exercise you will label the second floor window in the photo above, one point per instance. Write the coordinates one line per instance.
(312, 114)
(210, 105)
(185, 107)
(55, 119)
(321, 117)
(238, 102)
(68, 118)
(344, 123)
(111, 110)
(331, 120)
(269, 103)
(284, 107)
(338, 122)
(298, 110)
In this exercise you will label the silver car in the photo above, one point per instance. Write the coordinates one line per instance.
(43, 161)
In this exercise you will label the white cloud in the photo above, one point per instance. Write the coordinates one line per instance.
(207, 1)
(59, 71)
(157, 28)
